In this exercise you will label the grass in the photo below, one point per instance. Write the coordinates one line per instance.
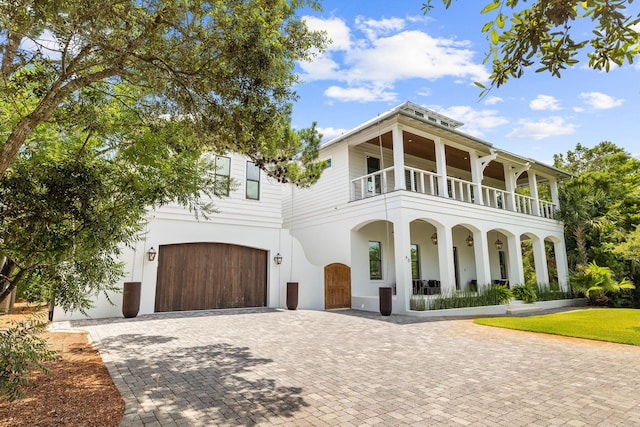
(619, 325)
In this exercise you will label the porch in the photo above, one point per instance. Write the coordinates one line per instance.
(455, 189)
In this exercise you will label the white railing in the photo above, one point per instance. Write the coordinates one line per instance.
(421, 181)
(371, 185)
(525, 204)
(425, 182)
(494, 197)
(459, 189)
(547, 209)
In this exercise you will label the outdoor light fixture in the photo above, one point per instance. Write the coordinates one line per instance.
(498, 242)
(278, 258)
(470, 240)
(434, 238)
(151, 254)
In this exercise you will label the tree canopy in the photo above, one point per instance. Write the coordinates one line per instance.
(600, 207)
(226, 66)
(521, 34)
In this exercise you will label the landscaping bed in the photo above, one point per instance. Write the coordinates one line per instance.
(77, 392)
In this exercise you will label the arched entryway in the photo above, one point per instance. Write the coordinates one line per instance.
(337, 286)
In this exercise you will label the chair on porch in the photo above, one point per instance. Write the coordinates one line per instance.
(433, 287)
(501, 282)
(473, 285)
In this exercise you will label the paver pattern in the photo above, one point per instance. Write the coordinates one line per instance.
(347, 368)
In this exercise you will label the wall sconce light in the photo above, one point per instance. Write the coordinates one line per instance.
(470, 240)
(434, 238)
(151, 254)
(277, 259)
(498, 242)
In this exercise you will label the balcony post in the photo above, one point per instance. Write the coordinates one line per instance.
(510, 186)
(441, 168)
(533, 189)
(398, 158)
(445, 260)
(540, 259)
(476, 177)
(553, 185)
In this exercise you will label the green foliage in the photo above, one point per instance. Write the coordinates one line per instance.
(526, 293)
(540, 34)
(551, 293)
(21, 351)
(417, 303)
(597, 284)
(486, 295)
(225, 66)
(600, 208)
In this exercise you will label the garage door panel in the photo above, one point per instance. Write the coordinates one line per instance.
(196, 276)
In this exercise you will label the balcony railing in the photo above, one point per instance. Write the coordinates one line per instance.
(425, 182)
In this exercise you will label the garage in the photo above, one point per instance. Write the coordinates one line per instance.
(200, 276)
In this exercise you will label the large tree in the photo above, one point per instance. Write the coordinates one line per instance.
(541, 33)
(600, 207)
(227, 66)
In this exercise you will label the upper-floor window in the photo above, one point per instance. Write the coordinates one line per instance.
(222, 175)
(253, 181)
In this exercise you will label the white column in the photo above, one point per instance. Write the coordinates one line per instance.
(476, 176)
(445, 260)
(516, 271)
(398, 158)
(441, 168)
(533, 189)
(510, 186)
(540, 259)
(553, 185)
(402, 257)
(481, 253)
(560, 252)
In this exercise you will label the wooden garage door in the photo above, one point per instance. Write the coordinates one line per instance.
(199, 276)
(337, 286)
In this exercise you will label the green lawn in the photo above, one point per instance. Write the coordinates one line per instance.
(621, 325)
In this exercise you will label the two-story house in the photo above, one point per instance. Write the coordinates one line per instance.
(407, 201)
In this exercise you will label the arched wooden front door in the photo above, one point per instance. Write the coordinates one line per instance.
(337, 286)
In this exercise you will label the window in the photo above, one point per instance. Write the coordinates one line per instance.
(415, 262)
(253, 181)
(222, 175)
(375, 261)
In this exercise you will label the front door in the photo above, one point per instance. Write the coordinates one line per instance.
(337, 286)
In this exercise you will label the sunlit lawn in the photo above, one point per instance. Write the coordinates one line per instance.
(621, 325)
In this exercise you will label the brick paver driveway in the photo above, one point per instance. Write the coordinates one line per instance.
(348, 368)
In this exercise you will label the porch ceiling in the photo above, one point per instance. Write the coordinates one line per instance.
(425, 148)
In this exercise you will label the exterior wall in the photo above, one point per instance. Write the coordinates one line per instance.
(253, 223)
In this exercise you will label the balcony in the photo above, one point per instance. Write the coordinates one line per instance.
(425, 182)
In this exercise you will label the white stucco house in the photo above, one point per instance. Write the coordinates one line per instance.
(407, 201)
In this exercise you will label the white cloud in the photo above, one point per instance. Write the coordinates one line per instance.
(330, 133)
(544, 102)
(375, 28)
(46, 43)
(337, 31)
(493, 100)
(544, 128)
(359, 94)
(385, 55)
(425, 91)
(578, 109)
(600, 101)
(476, 122)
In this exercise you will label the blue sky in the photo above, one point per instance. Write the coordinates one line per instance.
(384, 53)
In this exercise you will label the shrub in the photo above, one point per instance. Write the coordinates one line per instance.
(417, 302)
(21, 351)
(597, 284)
(552, 293)
(487, 295)
(525, 293)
